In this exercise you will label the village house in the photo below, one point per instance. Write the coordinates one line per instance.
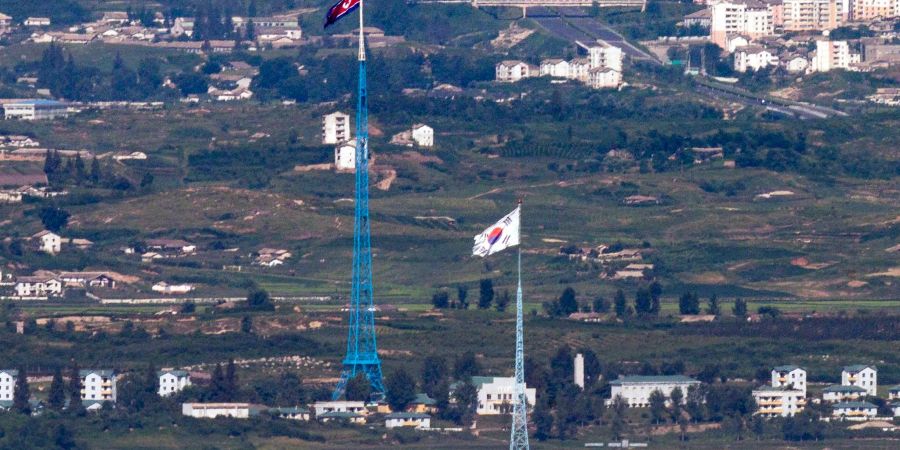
(495, 394)
(290, 412)
(182, 26)
(335, 128)
(789, 376)
(271, 257)
(422, 404)
(796, 64)
(173, 381)
(37, 22)
(854, 411)
(510, 71)
(339, 406)
(98, 385)
(778, 401)
(863, 376)
(345, 156)
(405, 419)
(894, 393)
(213, 410)
(341, 416)
(114, 17)
(171, 245)
(604, 77)
(7, 386)
(840, 393)
(172, 289)
(46, 285)
(753, 57)
(556, 68)
(420, 135)
(636, 389)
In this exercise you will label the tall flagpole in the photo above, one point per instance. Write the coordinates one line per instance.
(518, 439)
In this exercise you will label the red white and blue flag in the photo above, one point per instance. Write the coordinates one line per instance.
(339, 10)
(499, 236)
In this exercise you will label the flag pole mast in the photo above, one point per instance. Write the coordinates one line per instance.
(518, 439)
(362, 45)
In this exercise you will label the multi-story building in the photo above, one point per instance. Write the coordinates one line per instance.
(605, 55)
(753, 57)
(832, 55)
(813, 15)
(173, 381)
(50, 242)
(511, 71)
(556, 68)
(789, 376)
(98, 385)
(747, 17)
(604, 77)
(864, 10)
(778, 401)
(860, 375)
(335, 128)
(840, 393)
(345, 156)
(496, 395)
(7, 386)
(579, 68)
(35, 110)
(636, 389)
(854, 410)
(423, 135)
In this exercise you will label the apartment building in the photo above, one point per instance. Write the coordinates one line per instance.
(335, 128)
(753, 58)
(865, 10)
(839, 393)
(7, 386)
(496, 395)
(605, 55)
(832, 55)
(748, 17)
(172, 382)
(778, 401)
(789, 376)
(813, 15)
(854, 411)
(556, 68)
(860, 375)
(98, 385)
(511, 71)
(636, 389)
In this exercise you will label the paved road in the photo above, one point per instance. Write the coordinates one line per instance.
(794, 109)
(573, 25)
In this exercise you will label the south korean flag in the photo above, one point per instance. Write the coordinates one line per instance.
(499, 236)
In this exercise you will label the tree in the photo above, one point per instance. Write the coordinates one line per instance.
(258, 299)
(655, 293)
(485, 293)
(22, 394)
(713, 306)
(617, 425)
(434, 372)
(657, 406)
(568, 304)
(217, 384)
(562, 365)
(250, 33)
(462, 294)
(502, 301)
(247, 324)
(740, 308)
(466, 396)
(465, 367)
(231, 381)
(75, 386)
(358, 388)
(696, 402)
(290, 390)
(620, 304)
(401, 389)
(191, 83)
(63, 438)
(54, 219)
(758, 427)
(440, 300)
(643, 302)
(689, 303)
(600, 305)
(542, 419)
(57, 396)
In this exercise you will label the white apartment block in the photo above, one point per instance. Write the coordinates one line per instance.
(749, 17)
(840, 393)
(213, 410)
(496, 395)
(854, 411)
(753, 58)
(423, 135)
(98, 385)
(863, 376)
(345, 406)
(345, 156)
(511, 71)
(35, 110)
(813, 15)
(556, 68)
(172, 381)
(865, 10)
(636, 390)
(605, 55)
(579, 69)
(604, 77)
(832, 55)
(778, 401)
(7, 385)
(789, 376)
(335, 128)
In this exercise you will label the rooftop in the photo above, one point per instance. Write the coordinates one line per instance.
(844, 405)
(404, 415)
(640, 379)
(840, 388)
(786, 368)
(858, 368)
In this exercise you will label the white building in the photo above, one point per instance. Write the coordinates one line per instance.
(832, 55)
(38, 286)
(335, 128)
(863, 376)
(50, 242)
(340, 406)
(840, 393)
(172, 382)
(165, 288)
(778, 401)
(894, 393)
(579, 69)
(37, 22)
(98, 385)
(748, 17)
(854, 411)
(604, 77)
(291, 412)
(7, 384)
(789, 376)
(345, 156)
(423, 135)
(578, 368)
(413, 420)
(796, 64)
(896, 407)
(556, 68)
(213, 410)
(753, 58)
(605, 55)
(35, 110)
(866, 10)
(511, 71)
(496, 395)
(813, 15)
(636, 389)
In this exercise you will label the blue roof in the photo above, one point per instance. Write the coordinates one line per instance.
(38, 102)
(841, 388)
(102, 372)
(177, 373)
(423, 399)
(858, 368)
(405, 415)
(866, 405)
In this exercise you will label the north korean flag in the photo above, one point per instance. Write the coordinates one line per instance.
(339, 10)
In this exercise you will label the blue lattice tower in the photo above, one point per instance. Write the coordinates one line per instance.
(362, 350)
(518, 434)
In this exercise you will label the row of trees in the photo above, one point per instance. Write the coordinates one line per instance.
(487, 296)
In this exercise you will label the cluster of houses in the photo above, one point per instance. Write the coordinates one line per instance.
(336, 130)
(271, 257)
(602, 68)
(793, 34)
(634, 267)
